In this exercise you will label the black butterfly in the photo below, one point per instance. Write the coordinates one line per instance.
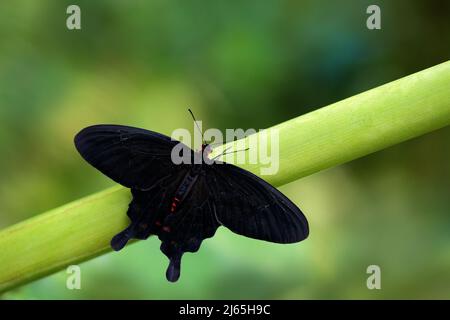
(186, 203)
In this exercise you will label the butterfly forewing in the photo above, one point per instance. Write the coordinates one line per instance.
(249, 206)
(135, 158)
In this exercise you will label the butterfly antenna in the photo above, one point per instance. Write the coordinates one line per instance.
(195, 121)
(225, 152)
(234, 151)
(219, 155)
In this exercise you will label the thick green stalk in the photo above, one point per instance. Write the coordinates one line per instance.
(332, 135)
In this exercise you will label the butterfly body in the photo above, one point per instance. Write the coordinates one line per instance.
(184, 204)
(185, 186)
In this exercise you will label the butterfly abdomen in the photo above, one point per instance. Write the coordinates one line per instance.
(183, 190)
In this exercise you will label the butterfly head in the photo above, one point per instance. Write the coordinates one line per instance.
(206, 149)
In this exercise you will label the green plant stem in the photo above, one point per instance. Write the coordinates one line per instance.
(329, 136)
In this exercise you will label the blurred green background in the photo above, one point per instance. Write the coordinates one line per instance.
(246, 64)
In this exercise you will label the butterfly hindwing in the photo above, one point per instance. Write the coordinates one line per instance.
(148, 209)
(194, 219)
(185, 229)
